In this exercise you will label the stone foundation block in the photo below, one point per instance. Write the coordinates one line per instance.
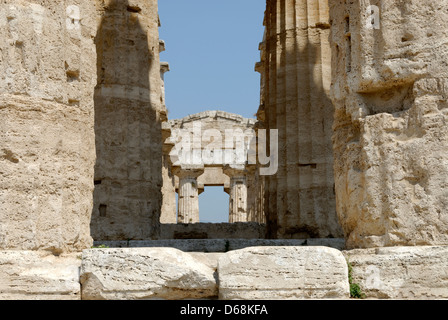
(33, 275)
(274, 273)
(401, 272)
(145, 273)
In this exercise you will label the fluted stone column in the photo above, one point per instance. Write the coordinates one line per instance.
(238, 195)
(295, 68)
(188, 204)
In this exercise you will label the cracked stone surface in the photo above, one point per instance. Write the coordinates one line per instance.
(283, 273)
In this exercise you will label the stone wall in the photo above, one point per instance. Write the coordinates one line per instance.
(390, 134)
(129, 110)
(296, 76)
(47, 151)
(239, 230)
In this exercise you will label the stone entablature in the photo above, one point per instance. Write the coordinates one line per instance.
(240, 120)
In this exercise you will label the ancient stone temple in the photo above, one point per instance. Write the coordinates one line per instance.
(390, 138)
(352, 119)
(212, 148)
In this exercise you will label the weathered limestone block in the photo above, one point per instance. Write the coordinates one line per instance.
(210, 259)
(169, 207)
(145, 273)
(401, 272)
(47, 150)
(391, 140)
(283, 273)
(38, 275)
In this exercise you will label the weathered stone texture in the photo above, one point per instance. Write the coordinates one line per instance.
(159, 273)
(401, 272)
(33, 275)
(279, 272)
(223, 244)
(128, 113)
(295, 69)
(47, 152)
(391, 139)
(271, 273)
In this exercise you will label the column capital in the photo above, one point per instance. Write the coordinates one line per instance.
(188, 172)
(235, 171)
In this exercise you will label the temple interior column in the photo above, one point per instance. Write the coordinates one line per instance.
(238, 195)
(188, 207)
(299, 198)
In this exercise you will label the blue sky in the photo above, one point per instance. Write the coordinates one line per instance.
(212, 48)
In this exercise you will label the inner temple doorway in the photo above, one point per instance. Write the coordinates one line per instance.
(214, 205)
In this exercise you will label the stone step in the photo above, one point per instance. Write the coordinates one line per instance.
(222, 245)
(276, 272)
(239, 230)
(263, 273)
